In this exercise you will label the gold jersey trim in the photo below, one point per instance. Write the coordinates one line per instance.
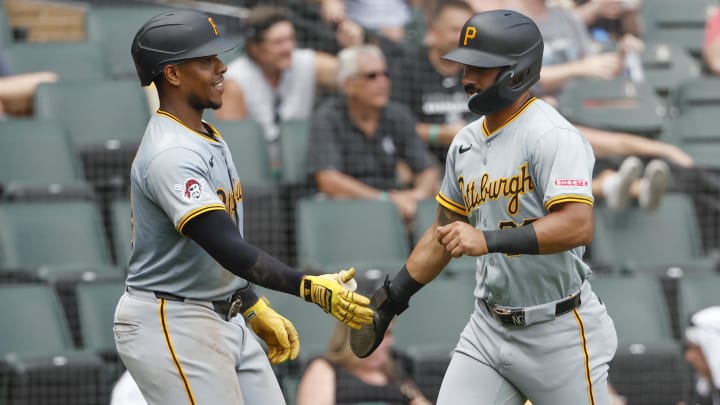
(586, 356)
(568, 198)
(486, 130)
(450, 204)
(197, 211)
(205, 136)
(171, 349)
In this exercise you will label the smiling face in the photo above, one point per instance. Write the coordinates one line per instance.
(274, 49)
(202, 81)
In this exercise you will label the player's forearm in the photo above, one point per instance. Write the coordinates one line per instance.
(569, 225)
(217, 234)
(339, 185)
(428, 258)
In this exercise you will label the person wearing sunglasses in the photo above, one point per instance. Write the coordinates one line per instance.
(359, 140)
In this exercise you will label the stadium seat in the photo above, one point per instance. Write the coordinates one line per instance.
(38, 361)
(114, 27)
(614, 105)
(628, 240)
(37, 160)
(249, 150)
(54, 239)
(105, 121)
(464, 266)
(648, 367)
(681, 23)
(695, 293)
(71, 61)
(333, 234)
(294, 142)
(96, 303)
(666, 65)
(121, 231)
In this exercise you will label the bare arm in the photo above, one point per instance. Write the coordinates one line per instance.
(711, 56)
(446, 132)
(429, 256)
(426, 184)
(317, 386)
(233, 105)
(606, 143)
(326, 67)
(600, 66)
(339, 185)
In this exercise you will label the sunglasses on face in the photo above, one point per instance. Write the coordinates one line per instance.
(373, 75)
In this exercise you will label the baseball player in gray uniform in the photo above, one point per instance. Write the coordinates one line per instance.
(517, 195)
(176, 328)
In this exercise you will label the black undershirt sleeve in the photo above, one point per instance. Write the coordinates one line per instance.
(218, 235)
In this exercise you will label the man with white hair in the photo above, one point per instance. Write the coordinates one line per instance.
(703, 351)
(358, 139)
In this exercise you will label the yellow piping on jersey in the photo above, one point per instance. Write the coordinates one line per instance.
(568, 198)
(451, 205)
(192, 214)
(588, 378)
(176, 119)
(525, 105)
(171, 349)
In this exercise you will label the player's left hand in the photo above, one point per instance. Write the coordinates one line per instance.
(461, 238)
(276, 331)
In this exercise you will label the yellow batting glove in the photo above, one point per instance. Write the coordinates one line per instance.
(334, 294)
(277, 332)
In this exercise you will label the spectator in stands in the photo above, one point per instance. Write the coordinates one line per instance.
(387, 17)
(568, 56)
(358, 140)
(275, 81)
(340, 377)
(711, 43)
(703, 351)
(432, 86)
(616, 17)
(17, 90)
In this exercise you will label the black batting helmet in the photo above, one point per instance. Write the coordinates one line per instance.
(174, 36)
(500, 39)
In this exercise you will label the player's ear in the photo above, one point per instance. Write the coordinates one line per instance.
(172, 75)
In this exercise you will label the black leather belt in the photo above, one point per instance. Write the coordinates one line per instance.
(516, 317)
(228, 308)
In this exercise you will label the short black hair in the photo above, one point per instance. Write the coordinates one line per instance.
(260, 19)
(449, 4)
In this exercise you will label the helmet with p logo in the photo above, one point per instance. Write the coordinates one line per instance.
(502, 39)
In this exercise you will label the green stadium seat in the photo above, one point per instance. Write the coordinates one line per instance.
(73, 61)
(695, 293)
(105, 121)
(121, 231)
(96, 303)
(628, 240)
(678, 22)
(54, 239)
(294, 142)
(249, 150)
(37, 160)
(334, 234)
(648, 367)
(39, 363)
(114, 27)
(614, 105)
(666, 65)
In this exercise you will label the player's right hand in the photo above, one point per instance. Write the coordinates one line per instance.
(333, 293)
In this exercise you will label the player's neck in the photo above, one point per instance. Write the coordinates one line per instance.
(499, 118)
(190, 117)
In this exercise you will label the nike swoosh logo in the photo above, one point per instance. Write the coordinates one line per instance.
(464, 149)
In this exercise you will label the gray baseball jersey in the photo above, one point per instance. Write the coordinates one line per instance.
(510, 178)
(178, 174)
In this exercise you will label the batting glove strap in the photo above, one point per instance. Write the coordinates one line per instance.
(329, 293)
(383, 300)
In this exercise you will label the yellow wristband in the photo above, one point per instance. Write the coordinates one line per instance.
(433, 133)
